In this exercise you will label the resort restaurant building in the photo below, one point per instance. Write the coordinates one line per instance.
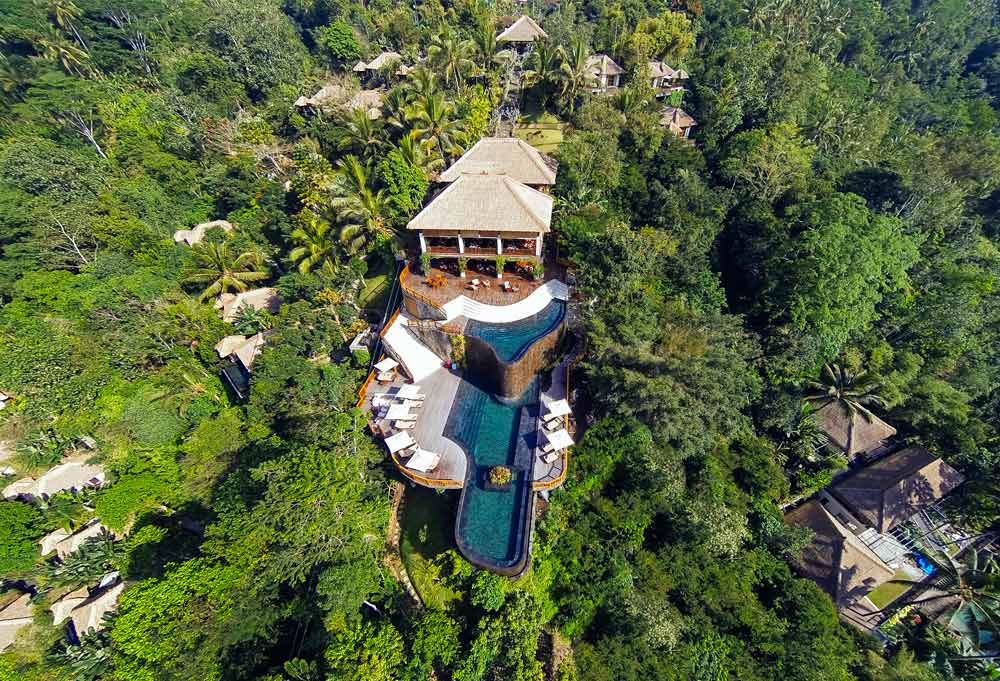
(496, 203)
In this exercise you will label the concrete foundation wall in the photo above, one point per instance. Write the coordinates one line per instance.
(421, 310)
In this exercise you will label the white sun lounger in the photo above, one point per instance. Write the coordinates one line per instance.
(386, 365)
(399, 412)
(399, 442)
(423, 461)
(408, 391)
(404, 425)
(557, 409)
(558, 440)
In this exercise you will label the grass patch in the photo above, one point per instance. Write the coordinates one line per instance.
(888, 592)
(426, 531)
(377, 285)
(545, 139)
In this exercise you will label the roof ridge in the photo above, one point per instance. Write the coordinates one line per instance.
(536, 158)
(515, 190)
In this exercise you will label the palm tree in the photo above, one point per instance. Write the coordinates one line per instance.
(853, 391)
(485, 39)
(71, 58)
(452, 57)
(435, 123)
(215, 265)
(574, 75)
(360, 134)
(421, 82)
(413, 153)
(317, 245)
(974, 584)
(394, 109)
(543, 66)
(362, 206)
(64, 12)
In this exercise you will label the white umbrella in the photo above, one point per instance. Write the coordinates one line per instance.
(398, 411)
(408, 391)
(423, 460)
(559, 439)
(557, 409)
(398, 441)
(387, 364)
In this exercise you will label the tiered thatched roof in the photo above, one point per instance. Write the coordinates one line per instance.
(524, 30)
(259, 298)
(486, 202)
(864, 435)
(14, 617)
(892, 489)
(659, 69)
(245, 349)
(504, 156)
(677, 120)
(836, 559)
(603, 65)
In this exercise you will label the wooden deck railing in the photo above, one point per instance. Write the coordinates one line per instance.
(363, 392)
(403, 276)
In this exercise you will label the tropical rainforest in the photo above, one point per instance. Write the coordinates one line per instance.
(838, 206)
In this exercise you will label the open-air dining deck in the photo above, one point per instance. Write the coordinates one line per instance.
(453, 247)
(444, 283)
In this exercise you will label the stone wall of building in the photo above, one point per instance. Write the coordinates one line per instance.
(434, 338)
(509, 379)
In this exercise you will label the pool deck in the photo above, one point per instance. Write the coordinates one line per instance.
(440, 389)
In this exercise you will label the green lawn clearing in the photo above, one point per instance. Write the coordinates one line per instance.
(377, 285)
(888, 592)
(541, 129)
(546, 140)
(426, 531)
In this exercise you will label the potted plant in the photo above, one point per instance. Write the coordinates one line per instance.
(425, 263)
(538, 269)
(499, 477)
(501, 262)
(463, 264)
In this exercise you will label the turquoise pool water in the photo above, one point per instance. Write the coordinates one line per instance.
(511, 340)
(492, 523)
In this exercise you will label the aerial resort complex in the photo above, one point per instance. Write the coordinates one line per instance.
(472, 391)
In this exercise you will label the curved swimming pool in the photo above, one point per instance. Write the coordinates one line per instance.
(492, 525)
(512, 340)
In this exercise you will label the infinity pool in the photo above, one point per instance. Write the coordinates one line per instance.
(511, 340)
(491, 524)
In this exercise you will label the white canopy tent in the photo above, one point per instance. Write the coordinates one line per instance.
(556, 409)
(387, 364)
(423, 460)
(559, 439)
(398, 442)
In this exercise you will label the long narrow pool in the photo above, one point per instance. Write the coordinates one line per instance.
(492, 525)
(511, 340)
